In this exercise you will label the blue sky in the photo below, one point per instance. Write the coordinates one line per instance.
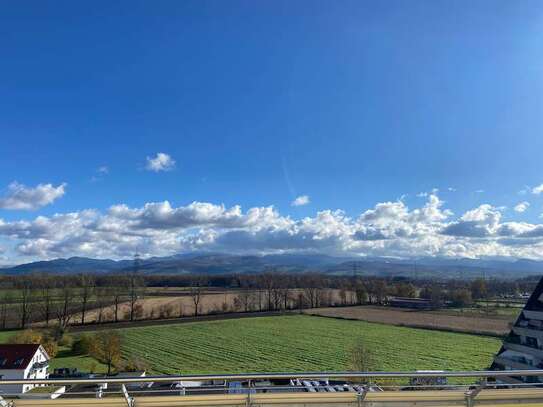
(350, 103)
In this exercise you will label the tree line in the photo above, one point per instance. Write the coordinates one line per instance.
(60, 299)
(64, 300)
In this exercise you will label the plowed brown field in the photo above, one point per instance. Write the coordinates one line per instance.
(419, 319)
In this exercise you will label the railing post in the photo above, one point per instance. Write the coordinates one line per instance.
(361, 395)
(248, 400)
(5, 403)
(129, 400)
(471, 394)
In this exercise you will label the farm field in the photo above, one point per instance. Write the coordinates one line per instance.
(494, 312)
(299, 343)
(444, 320)
(178, 301)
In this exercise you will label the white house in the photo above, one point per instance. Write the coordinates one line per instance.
(22, 361)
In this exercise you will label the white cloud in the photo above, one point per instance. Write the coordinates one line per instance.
(433, 191)
(451, 189)
(521, 206)
(158, 228)
(479, 222)
(300, 201)
(161, 162)
(21, 197)
(537, 190)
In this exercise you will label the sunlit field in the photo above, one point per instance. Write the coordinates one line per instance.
(300, 343)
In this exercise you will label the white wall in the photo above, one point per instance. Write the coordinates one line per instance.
(11, 374)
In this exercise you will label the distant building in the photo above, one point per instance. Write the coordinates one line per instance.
(22, 361)
(523, 347)
(404, 302)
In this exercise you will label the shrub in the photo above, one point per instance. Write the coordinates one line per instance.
(32, 336)
(361, 358)
(134, 365)
(27, 336)
(66, 340)
(50, 347)
(83, 344)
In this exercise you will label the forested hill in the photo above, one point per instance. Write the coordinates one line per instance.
(217, 263)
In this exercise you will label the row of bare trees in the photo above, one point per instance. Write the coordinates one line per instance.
(277, 291)
(65, 299)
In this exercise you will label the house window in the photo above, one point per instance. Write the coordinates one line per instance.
(18, 362)
(2, 361)
(531, 341)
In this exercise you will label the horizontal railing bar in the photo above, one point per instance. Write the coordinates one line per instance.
(294, 375)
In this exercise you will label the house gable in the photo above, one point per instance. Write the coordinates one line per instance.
(19, 356)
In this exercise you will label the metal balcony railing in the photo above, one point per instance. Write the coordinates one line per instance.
(354, 389)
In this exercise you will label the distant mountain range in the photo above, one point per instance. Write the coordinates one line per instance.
(219, 263)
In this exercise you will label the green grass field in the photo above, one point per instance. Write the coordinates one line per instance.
(300, 343)
(289, 343)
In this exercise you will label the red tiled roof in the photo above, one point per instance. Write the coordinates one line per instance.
(17, 356)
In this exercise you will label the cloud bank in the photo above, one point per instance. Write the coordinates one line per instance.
(387, 229)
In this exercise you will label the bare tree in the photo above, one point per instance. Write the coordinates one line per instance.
(117, 292)
(24, 287)
(87, 284)
(196, 291)
(300, 301)
(377, 290)
(135, 288)
(381, 291)
(244, 299)
(311, 290)
(46, 291)
(260, 299)
(165, 310)
(343, 296)
(5, 301)
(64, 305)
(269, 283)
(361, 292)
(284, 291)
(102, 301)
